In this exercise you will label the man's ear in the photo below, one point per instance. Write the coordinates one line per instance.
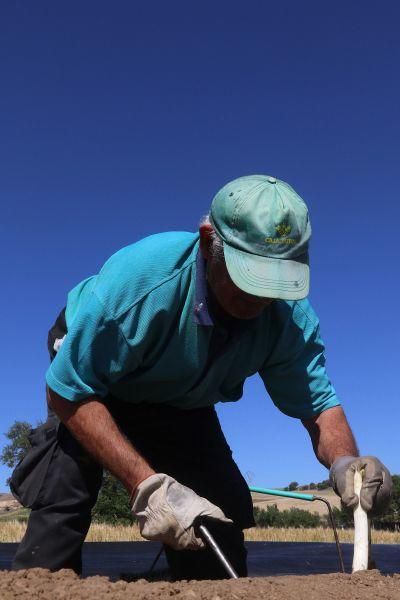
(206, 231)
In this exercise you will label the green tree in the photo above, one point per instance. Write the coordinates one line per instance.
(391, 519)
(19, 444)
(324, 485)
(294, 517)
(113, 504)
(343, 517)
(268, 517)
(293, 485)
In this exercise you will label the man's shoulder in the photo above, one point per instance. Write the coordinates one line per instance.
(134, 271)
(155, 256)
(164, 246)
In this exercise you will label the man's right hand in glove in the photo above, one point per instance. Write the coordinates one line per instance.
(167, 510)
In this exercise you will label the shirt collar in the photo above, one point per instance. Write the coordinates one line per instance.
(200, 309)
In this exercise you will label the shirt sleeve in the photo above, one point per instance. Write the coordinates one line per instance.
(93, 355)
(294, 374)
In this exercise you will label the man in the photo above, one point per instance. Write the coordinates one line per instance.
(170, 326)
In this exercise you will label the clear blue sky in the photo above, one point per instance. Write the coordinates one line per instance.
(121, 119)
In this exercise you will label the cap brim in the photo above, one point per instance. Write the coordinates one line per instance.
(268, 277)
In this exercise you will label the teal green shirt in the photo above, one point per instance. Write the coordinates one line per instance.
(140, 330)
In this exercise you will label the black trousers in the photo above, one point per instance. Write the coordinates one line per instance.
(60, 481)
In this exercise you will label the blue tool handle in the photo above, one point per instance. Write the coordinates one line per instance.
(309, 497)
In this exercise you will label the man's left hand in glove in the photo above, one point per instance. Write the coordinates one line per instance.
(376, 486)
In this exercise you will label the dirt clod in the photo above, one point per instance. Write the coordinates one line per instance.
(65, 585)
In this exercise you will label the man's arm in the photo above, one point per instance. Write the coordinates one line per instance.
(165, 509)
(335, 447)
(91, 423)
(331, 436)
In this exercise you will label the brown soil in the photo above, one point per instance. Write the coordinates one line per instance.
(39, 583)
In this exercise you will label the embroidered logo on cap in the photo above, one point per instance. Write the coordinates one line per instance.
(282, 230)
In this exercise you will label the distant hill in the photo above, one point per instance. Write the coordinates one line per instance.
(262, 501)
(8, 504)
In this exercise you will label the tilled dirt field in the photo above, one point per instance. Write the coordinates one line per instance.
(39, 583)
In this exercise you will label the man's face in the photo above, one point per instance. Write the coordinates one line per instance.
(231, 299)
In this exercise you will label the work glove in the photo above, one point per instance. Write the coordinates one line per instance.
(376, 487)
(167, 510)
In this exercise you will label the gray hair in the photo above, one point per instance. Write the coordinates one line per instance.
(217, 247)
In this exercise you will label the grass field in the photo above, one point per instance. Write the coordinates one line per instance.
(12, 531)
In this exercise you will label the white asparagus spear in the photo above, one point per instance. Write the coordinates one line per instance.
(362, 536)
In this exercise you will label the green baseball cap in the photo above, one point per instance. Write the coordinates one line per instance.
(265, 229)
